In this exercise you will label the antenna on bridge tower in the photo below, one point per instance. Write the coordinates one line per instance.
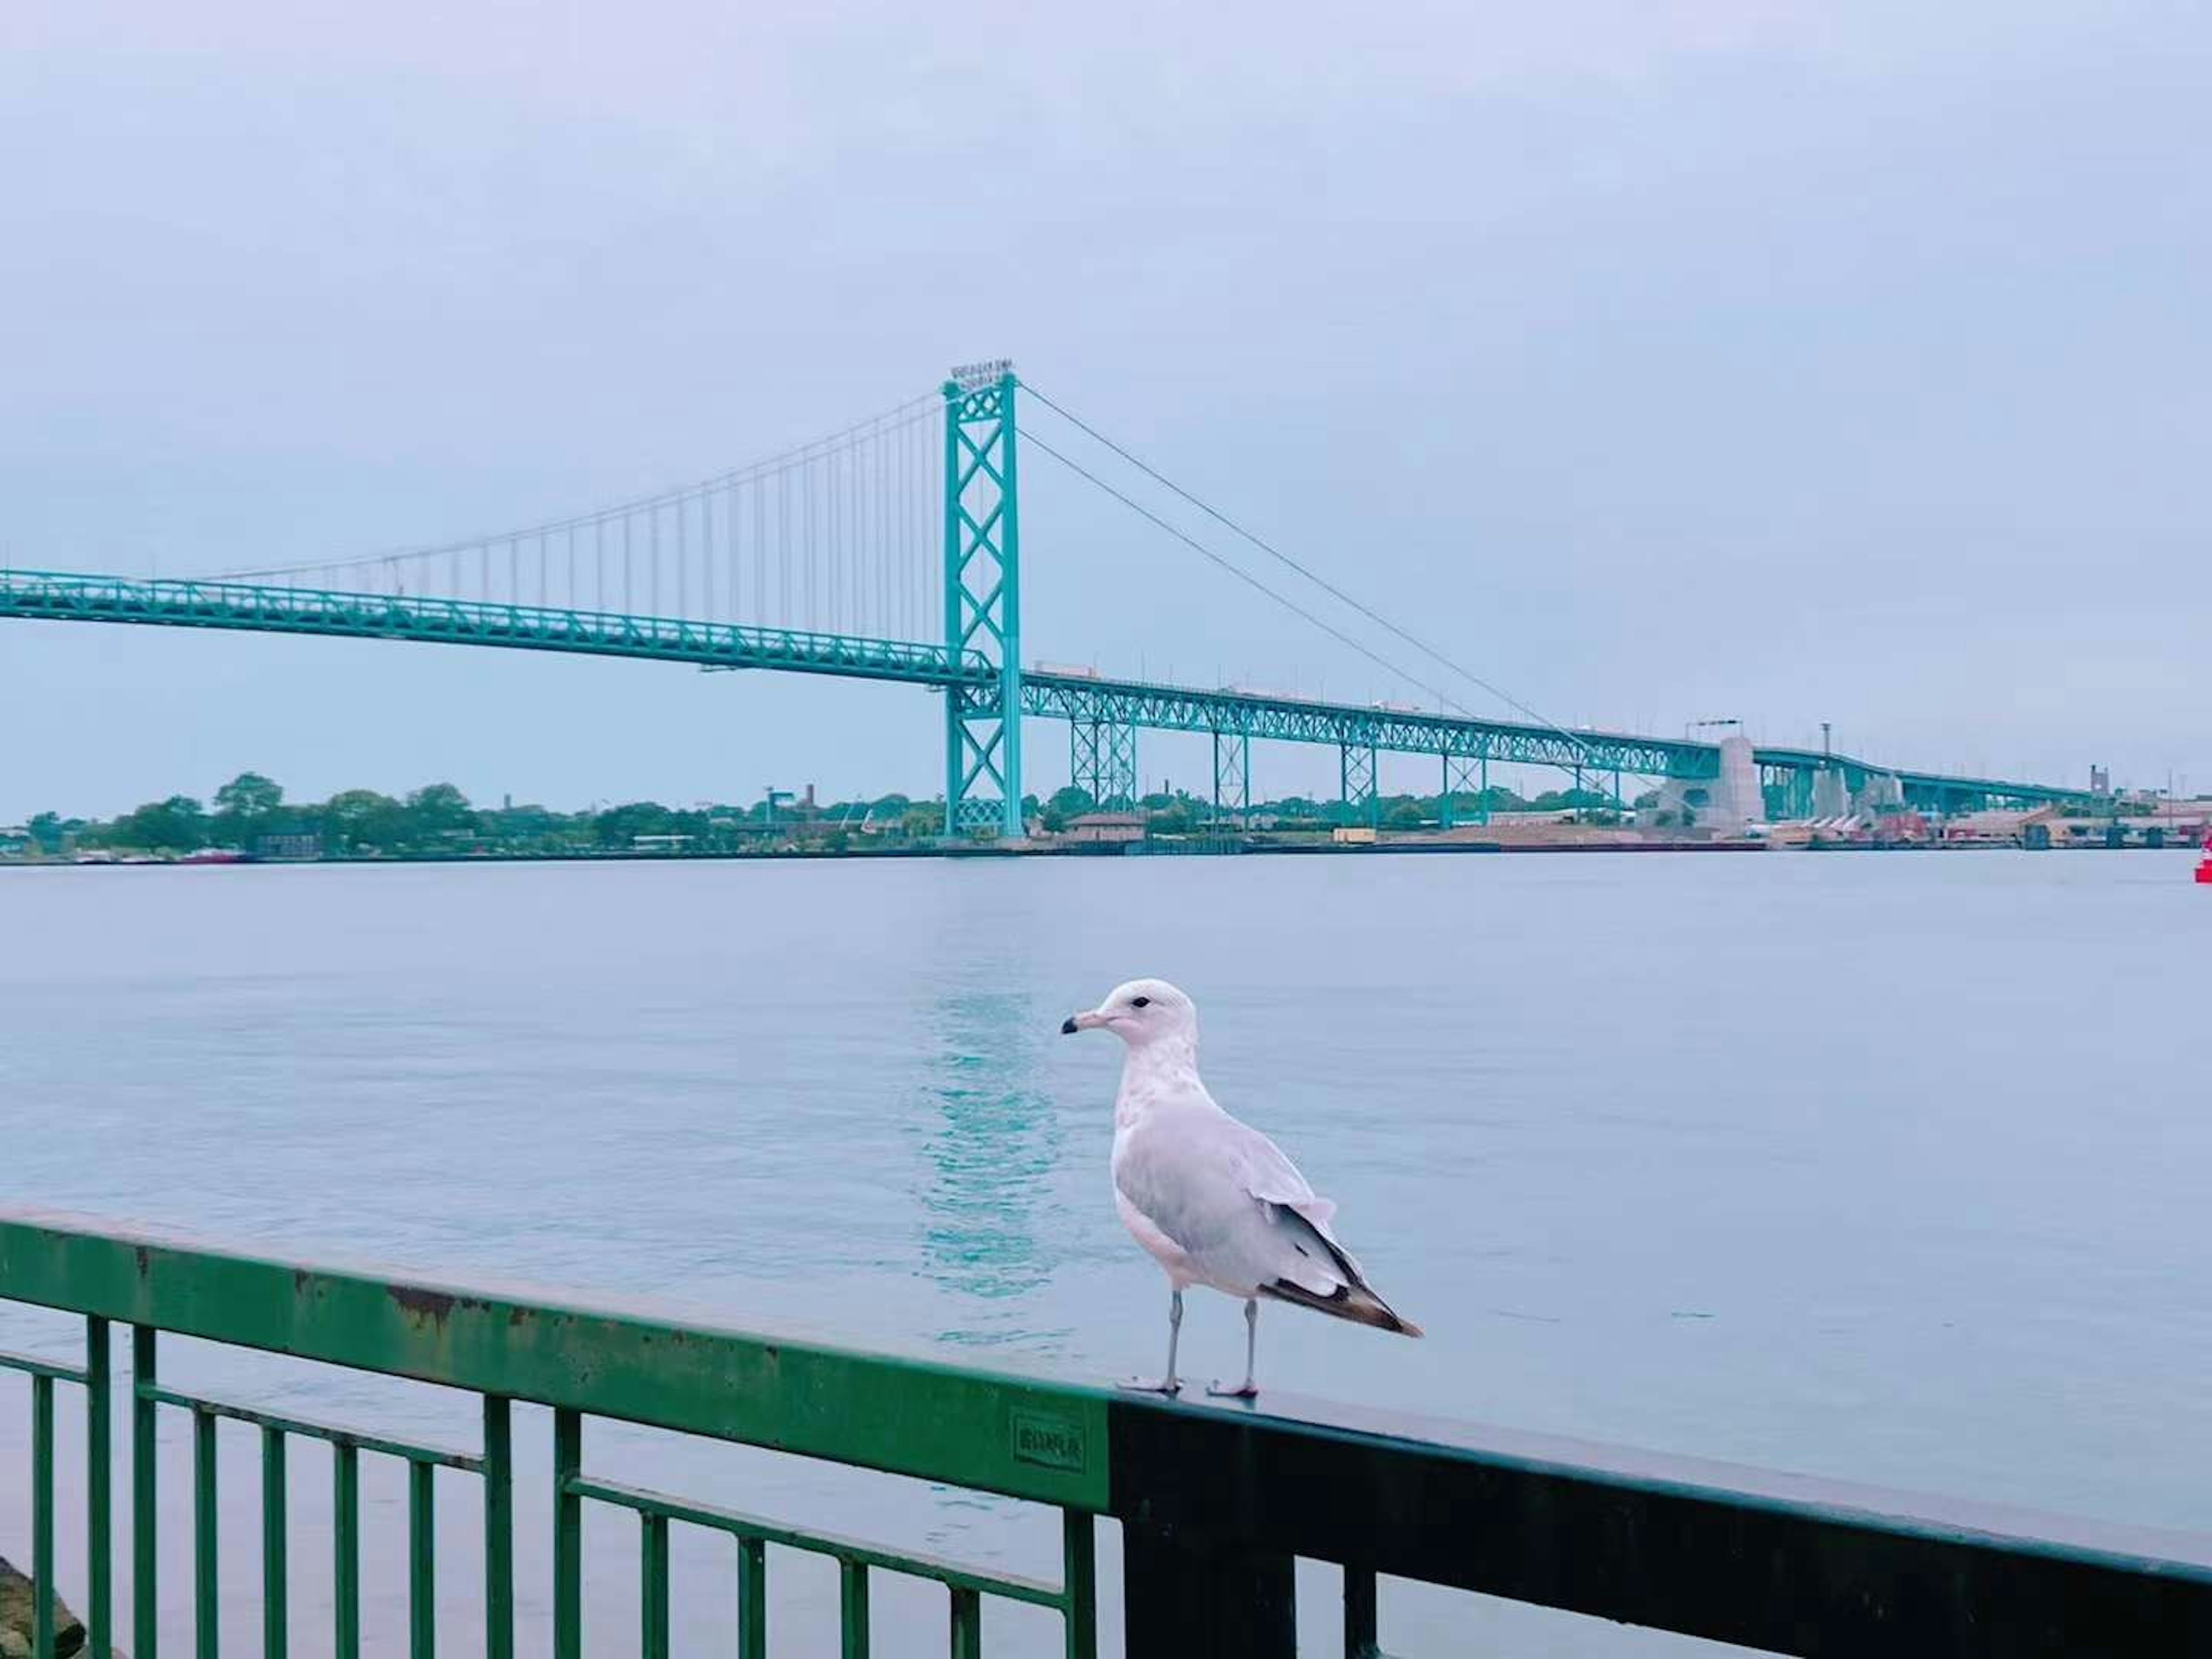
(982, 601)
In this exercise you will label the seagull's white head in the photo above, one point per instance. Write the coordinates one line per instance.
(1143, 1012)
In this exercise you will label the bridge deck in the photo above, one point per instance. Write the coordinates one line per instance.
(1076, 697)
(51, 597)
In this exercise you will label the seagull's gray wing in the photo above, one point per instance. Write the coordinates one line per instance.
(1229, 1199)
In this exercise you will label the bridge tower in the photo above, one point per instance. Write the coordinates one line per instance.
(982, 601)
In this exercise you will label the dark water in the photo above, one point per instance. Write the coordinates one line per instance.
(1886, 1168)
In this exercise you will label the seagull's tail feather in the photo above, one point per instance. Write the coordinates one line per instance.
(1353, 1301)
(1350, 1297)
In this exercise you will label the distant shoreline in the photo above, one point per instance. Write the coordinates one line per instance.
(1155, 849)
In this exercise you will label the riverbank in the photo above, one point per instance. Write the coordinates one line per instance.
(1156, 847)
(1161, 848)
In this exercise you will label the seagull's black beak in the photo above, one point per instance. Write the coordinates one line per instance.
(1068, 1027)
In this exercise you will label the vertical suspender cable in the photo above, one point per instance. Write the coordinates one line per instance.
(883, 454)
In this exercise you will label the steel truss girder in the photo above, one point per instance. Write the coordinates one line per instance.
(982, 693)
(248, 607)
(1284, 720)
(1795, 770)
(1178, 708)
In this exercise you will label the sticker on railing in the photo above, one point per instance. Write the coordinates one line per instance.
(1050, 1442)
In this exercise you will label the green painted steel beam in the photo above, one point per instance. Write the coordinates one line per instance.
(1352, 726)
(1924, 786)
(55, 597)
(910, 1416)
(1777, 1563)
(983, 745)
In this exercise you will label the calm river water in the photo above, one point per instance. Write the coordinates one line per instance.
(1886, 1168)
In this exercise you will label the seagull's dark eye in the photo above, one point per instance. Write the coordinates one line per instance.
(1140, 1002)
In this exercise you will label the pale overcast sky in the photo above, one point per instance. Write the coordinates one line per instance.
(1667, 360)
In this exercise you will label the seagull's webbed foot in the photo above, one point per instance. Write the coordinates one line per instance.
(1169, 1386)
(1248, 1389)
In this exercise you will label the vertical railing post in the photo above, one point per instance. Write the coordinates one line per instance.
(206, 1537)
(653, 1586)
(145, 1613)
(852, 1609)
(752, 1598)
(499, 1527)
(276, 1624)
(1181, 1593)
(1359, 1641)
(567, 1536)
(345, 1548)
(422, 1560)
(42, 1515)
(98, 1473)
(967, 1632)
(1079, 1578)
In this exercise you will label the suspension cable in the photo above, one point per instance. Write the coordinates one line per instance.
(1311, 575)
(1242, 574)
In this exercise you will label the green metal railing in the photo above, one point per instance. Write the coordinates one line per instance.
(1216, 1502)
(496, 1465)
(93, 1378)
(1023, 1440)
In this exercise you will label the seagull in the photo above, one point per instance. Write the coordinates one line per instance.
(1214, 1201)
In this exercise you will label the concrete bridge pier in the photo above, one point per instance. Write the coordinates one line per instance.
(1728, 803)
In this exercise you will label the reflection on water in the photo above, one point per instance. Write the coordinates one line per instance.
(995, 1141)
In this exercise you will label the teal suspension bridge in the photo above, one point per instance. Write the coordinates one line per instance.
(893, 551)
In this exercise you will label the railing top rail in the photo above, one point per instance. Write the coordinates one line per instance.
(625, 1358)
(1740, 1554)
